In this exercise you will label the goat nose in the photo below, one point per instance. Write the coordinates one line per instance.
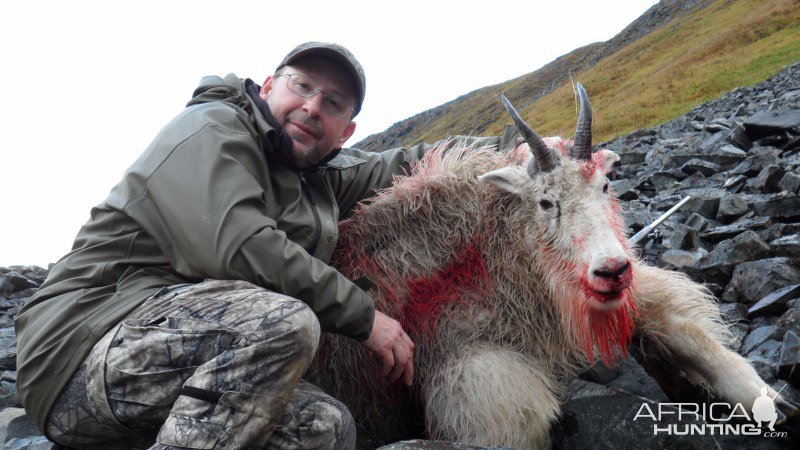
(614, 270)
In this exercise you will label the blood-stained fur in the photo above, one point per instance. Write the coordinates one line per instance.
(511, 272)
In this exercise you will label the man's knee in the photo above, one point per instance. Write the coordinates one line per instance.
(291, 317)
(334, 422)
(323, 422)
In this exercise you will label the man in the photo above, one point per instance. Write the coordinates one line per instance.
(192, 301)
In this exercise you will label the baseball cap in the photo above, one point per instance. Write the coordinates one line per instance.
(336, 53)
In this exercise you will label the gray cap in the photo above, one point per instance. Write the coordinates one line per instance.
(336, 53)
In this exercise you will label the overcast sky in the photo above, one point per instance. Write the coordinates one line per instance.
(89, 83)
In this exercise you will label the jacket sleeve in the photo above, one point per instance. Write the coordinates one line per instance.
(199, 191)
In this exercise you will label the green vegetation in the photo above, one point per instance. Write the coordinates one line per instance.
(693, 59)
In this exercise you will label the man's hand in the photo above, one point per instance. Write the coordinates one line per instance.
(393, 347)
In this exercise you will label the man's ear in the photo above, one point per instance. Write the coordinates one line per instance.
(266, 88)
(348, 131)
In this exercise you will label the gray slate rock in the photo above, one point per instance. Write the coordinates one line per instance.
(731, 207)
(775, 302)
(769, 123)
(754, 280)
(768, 180)
(786, 245)
(760, 335)
(596, 416)
(719, 263)
(789, 363)
(790, 320)
(790, 182)
(779, 205)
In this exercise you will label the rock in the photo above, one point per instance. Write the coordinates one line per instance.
(731, 207)
(754, 280)
(790, 320)
(704, 201)
(625, 189)
(759, 159)
(768, 179)
(738, 137)
(716, 125)
(734, 183)
(22, 427)
(679, 259)
(698, 222)
(596, 416)
(31, 443)
(733, 312)
(768, 123)
(765, 368)
(630, 156)
(789, 363)
(628, 376)
(6, 416)
(663, 181)
(697, 181)
(719, 263)
(8, 389)
(790, 182)
(775, 302)
(760, 335)
(696, 165)
(8, 349)
(727, 156)
(786, 245)
(767, 352)
(684, 238)
(739, 331)
(779, 230)
(782, 206)
(12, 281)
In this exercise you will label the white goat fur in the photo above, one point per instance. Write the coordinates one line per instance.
(489, 365)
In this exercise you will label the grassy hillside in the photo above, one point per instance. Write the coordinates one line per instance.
(692, 59)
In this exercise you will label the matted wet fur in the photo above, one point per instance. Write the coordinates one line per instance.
(489, 280)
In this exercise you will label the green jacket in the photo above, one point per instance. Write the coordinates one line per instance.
(207, 199)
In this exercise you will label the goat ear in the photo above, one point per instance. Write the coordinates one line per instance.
(509, 179)
(607, 160)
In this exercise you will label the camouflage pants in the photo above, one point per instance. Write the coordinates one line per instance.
(215, 365)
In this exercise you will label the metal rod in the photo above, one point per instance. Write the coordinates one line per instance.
(646, 230)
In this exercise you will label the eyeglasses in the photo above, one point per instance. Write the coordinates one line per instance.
(333, 103)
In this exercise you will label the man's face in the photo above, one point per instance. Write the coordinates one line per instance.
(314, 131)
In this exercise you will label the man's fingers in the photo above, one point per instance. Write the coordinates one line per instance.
(394, 348)
(400, 360)
(388, 362)
(409, 372)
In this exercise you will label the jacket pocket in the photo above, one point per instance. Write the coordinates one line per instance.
(149, 360)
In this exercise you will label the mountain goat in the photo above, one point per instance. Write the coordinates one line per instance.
(510, 272)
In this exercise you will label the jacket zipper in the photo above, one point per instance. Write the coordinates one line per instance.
(310, 195)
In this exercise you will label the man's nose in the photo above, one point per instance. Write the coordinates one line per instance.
(313, 104)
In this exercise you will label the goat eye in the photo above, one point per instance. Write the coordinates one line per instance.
(605, 188)
(545, 204)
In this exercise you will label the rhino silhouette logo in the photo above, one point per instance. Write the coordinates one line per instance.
(764, 409)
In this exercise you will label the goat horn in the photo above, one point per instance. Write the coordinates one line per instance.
(582, 146)
(542, 154)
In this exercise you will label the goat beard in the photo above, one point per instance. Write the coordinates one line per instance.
(604, 329)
